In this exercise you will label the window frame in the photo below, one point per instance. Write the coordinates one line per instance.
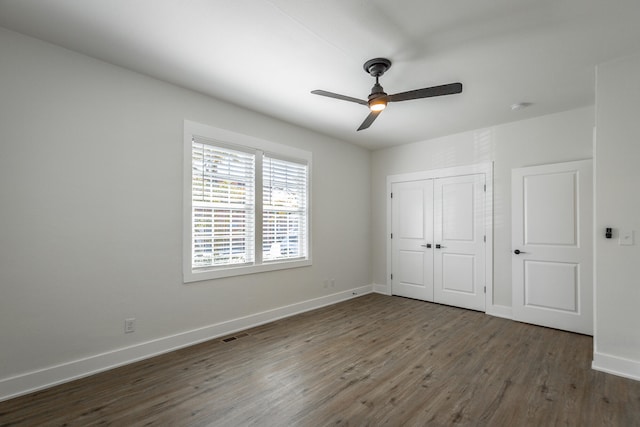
(241, 142)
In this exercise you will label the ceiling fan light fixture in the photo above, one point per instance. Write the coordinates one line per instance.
(378, 104)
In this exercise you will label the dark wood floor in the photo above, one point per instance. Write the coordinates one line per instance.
(375, 360)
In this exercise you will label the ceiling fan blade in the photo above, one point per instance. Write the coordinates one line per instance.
(449, 89)
(370, 118)
(338, 96)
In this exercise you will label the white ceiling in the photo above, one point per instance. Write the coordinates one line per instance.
(267, 55)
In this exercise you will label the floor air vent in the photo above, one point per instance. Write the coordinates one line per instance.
(234, 337)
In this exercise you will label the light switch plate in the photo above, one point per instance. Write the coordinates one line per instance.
(625, 238)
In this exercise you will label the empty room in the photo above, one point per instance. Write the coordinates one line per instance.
(309, 213)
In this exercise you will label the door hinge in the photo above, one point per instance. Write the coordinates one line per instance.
(392, 235)
(485, 238)
(392, 195)
(485, 188)
(485, 289)
(391, 276)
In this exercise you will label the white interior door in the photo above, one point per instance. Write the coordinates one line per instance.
(412, 230)
(552, 245)
(459, 232)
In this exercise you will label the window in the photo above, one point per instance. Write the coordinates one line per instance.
(246, 205)
(284, 209)
(222, 196)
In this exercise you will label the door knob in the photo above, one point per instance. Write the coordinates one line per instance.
(518, 252)
(439, 246)
(428, 246)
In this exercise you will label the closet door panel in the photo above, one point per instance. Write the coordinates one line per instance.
(459, 250)
(412, 231)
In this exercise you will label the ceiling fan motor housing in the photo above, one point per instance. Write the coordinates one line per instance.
(377, 91)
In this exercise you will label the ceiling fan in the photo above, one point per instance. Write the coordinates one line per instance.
(378, 99)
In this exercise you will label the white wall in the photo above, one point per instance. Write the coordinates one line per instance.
(548, 139)
(91, 217)
(617, 326)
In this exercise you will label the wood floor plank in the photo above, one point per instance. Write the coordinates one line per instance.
(374, 360)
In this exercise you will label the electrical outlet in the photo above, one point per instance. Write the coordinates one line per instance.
(129, 325)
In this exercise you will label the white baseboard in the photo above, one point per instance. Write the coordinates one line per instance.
(381, 289)
(619, 366)
(493, 310)
(48, 377)
(503, 311)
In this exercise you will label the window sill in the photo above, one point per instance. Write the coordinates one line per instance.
(221, 272)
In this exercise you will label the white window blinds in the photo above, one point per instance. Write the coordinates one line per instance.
(223, 205)
(246, 204)
(284, 216)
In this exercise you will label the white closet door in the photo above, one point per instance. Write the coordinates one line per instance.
(412, 229)
(552, 241)
(459, 250)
